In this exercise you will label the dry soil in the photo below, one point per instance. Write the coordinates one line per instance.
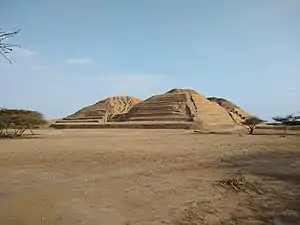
(146, 177)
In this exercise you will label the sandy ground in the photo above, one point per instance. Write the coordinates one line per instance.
(134, 177)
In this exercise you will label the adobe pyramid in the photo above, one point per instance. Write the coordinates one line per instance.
(180, 105)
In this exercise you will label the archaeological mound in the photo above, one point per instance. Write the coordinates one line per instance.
(236, 112)
(103, 111)
(177, 108)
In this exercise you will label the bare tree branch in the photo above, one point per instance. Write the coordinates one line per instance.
(4, 47)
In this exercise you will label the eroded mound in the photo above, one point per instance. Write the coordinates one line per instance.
(223, 102)
(238, 113)
(106, 109)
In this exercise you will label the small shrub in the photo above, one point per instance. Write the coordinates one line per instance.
(251, 123)
(289, 120)
(240, 183)
(19, 121)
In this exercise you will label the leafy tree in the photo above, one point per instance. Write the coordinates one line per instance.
(288, 120)
(6, 48)
(251, 123)
(19, 121)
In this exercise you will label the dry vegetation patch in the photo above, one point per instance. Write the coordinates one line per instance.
(240, 183)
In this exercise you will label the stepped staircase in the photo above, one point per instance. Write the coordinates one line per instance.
(166, 107)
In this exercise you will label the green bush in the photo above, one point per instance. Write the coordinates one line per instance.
(288, 120)
(19, 120)
(251, 123)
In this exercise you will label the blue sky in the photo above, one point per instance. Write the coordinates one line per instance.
(74, 52)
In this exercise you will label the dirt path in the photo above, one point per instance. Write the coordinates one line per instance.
(134, 176)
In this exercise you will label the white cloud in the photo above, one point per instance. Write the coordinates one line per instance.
(79, 61)
(18, 56)
(22, 53)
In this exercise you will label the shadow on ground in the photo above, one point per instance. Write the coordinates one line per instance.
(25, 136)
(278, 174)
(278, 134)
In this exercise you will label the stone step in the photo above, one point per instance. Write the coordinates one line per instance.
(146, 113)
(153, 109)
(79, 121)
(84, 118)
(159, 104)
(157, 118)
(126, 125)
(168, 98)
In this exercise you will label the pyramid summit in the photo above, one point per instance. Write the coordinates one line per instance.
(178, 90)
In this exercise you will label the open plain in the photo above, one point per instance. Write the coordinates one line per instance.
(136, 176)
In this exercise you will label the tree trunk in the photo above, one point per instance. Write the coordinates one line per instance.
(251, 130)
(23, 130)
(16, 130)
(31, 130)
(6, 132)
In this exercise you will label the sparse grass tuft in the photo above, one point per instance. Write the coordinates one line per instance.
(240, 183)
